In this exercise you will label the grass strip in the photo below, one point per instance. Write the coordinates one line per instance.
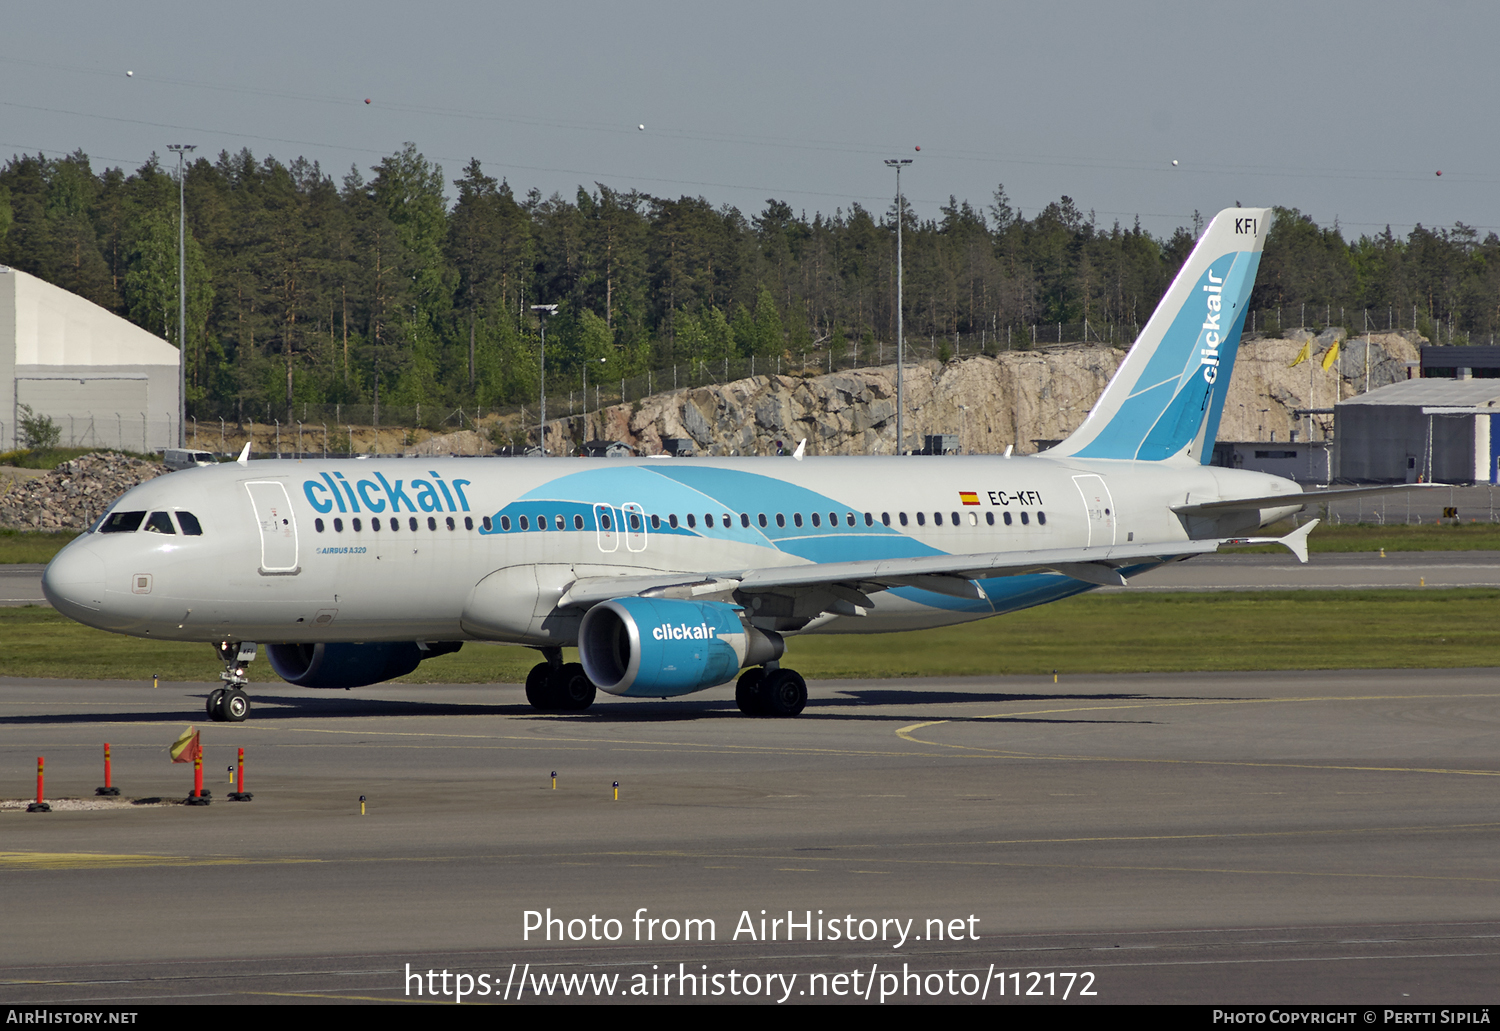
(1230, 630)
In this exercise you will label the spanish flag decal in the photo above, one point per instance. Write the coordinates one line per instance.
(968, 497)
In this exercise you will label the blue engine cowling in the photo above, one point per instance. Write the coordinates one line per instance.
(350, 665)
(657, 647)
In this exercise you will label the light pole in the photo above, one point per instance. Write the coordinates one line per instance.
(181, 150)
(543, 310)
(897, 164)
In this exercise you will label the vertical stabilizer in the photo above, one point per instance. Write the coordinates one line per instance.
(1165, 401)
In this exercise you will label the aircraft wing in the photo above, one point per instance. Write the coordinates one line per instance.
(1288, 500)
(953, 575)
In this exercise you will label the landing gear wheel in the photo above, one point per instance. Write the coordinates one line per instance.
(215, 704)
(236, 706)
(749, 693)
(571, 688)
(785, 692)
(538, 686)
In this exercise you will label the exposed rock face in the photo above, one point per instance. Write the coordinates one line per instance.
(1015, 399)
(74, 494)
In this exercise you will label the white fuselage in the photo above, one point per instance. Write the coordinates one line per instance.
(272, 565)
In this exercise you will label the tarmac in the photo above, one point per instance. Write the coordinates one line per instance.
(1224, 838)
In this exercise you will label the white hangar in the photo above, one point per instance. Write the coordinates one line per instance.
(101, 379)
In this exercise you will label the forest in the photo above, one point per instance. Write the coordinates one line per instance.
(379, 289)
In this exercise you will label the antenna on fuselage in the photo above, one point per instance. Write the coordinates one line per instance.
(244, 455)
(801, 449)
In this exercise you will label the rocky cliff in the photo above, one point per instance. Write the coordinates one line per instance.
(1017, 398)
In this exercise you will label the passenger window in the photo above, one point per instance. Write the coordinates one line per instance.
(1025, 519)
(525, 523)
(903, 518)
(318, 525)
(833, 519)
(375, 525)
(431, 523)
(469, 523)
(451, 525)
(851, 518)
(605, 521)
(578, 522)
(561, 524)
(937, 518)
(780, 519)
(504, 523)
(708, 520)
(395, 524)
(797, 518)
(973, 518)
(728, 520)
(193, 528)
(635, 521)
(541, 522)
(1007, 519)
(357, 526)
(816, 520)
(1041, 517)
(745, 520)
(762, 519)
(122, 522)
(921, 518)
(338, 526)
(692, 521)
(989, 517)
(672, 521)
(955, 518)
(885, 518)
(412, 523)
(656, 522)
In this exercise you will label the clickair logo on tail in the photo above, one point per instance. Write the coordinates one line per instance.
(1210, 350)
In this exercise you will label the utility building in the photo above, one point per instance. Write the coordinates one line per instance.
(101, 379)
(1421, 431)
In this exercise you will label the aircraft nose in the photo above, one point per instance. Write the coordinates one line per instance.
(74, 582)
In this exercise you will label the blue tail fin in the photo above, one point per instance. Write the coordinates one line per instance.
(1165, 401)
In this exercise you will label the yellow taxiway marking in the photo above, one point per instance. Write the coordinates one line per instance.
(99, 860)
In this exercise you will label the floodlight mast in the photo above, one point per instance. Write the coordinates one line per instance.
(897, 164)
(544, 310)
(181, 149)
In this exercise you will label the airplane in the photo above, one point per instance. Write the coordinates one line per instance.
(674, 575)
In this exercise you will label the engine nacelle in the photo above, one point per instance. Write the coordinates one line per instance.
(351, 665)
(658, 647)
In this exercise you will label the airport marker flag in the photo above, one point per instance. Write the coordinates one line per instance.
(187, 747)
(1302, 355)
(1331, 357)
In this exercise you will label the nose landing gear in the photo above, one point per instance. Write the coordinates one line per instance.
(230, 704)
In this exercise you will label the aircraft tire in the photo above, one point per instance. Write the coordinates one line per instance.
(539, 687)
(785, 693)
(571, 689)
(749, 692)
(215, 704)
(236, 707)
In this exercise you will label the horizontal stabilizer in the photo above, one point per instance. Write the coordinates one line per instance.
(1304, 498)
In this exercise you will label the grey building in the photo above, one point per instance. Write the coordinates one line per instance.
(1420, 431)
(102, 380)
(1303, 461)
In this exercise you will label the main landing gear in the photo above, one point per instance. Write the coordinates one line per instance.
(230, 704)
(556, 686)
(771, 692)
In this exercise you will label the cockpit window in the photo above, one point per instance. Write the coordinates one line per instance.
(160, 522)
(122, 522)
(190, 524)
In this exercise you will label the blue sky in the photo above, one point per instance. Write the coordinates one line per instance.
(1345, 111)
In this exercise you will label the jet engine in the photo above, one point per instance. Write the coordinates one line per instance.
(351, 665)
(657, 647)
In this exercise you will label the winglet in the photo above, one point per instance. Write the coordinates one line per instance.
(801, 449)
(244, 458)
(1295, 542)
